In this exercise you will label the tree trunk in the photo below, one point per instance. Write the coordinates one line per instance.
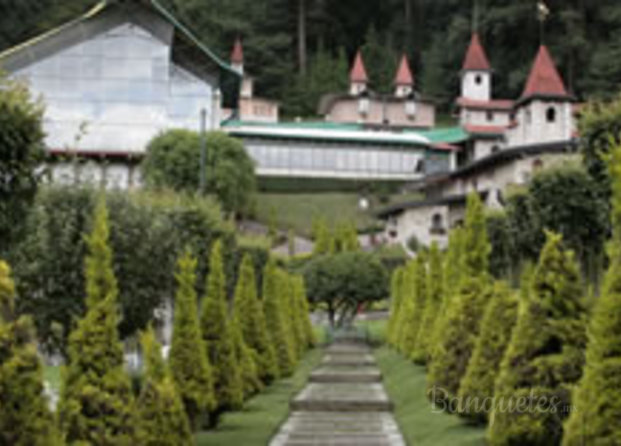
(302, 37)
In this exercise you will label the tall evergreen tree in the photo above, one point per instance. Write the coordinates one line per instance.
(420, 305)
(25, 419)
(432, 307)
(544, 357)
(96, 404)
(274, 314)
(406, 335)
(249, 313)
(476, 390)
(460, 328)
(188, 360)
(596, 402)
(286, 308)
(218, 336)
(302, 304)
(396, 299)
(246, 361)
(162, 420)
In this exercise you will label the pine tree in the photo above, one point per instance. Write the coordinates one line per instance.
(396, 294)
(25, 419)
(246, 360)
(406, 335)
(460, 328)
(274, 314)
(188, 360)
(297, 318)
(162, 420)
(476, 390)
(324, 242)
(249, 313)
(596, 401)
(434, 301)
(218, 336)
(307, 326)
(284, 291)
(544, 357)
(96, 404)
(420, 304)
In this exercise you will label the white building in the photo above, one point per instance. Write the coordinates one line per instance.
(113, 79)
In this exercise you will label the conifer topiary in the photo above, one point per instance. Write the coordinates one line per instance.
(406, 336)
(544, 357)
(25, 419)
(460, 328)
(96, 404)
(476, 390)
(218, 336)
(284, 289)
(307, 326)
(596, 401)
(274, 314)
(432, 307)
(297, 318)
(189, 365)
(396, 298)
(421, 293)
(246, 361)
(249, 313)
(162, 420)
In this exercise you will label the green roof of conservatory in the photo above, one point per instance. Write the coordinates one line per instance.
(450, 135)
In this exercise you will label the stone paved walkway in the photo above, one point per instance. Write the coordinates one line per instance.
(344, 404)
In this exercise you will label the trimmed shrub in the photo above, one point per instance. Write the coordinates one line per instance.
(284, 291)
(420, 305)
(434, 301)
(25, 419)
(188, 361)
(597, 406)
(476, 390)
(96, 404)
(218, 337)
(162, 420)
(246, 360)
(460, 328)
(407, 318)
(249, 314)
(396, 298)
(545, 356)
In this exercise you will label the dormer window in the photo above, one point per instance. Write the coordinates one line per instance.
(490, 116)
(410, 106)
(363, 103)
(551, 115)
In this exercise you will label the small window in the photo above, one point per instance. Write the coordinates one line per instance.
(490, 116)
(478, 79)
(437, 224)
(551, 115)
(495, 148)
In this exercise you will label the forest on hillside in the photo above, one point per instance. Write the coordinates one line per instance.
(298, 50)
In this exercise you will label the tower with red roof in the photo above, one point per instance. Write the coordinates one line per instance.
(358, 78)
(544, 111)
(476, 73)
(404, 80)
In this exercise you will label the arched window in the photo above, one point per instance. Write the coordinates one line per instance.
(437, 224)
(551, 115)
(478, 79)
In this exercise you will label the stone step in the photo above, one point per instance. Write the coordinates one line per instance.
(346, 374)
(340, 397)
(347, 347)
(349, 359)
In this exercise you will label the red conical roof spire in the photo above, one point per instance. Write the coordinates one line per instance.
(237, 55)
(544, 78)
(404, 74)
(476, 59)
(358, 73)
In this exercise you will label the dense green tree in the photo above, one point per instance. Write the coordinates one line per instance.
(162, 420)
(544, 357)
(249, 314)
(188, 360)
(476, 390)
(406, 336)
(302, 306)
(173, 158)
(217, 332)
(285, 290)
(380, 61)
(421, 294)
(274, 317)
(246, 360)
(96, 404)
(296, 317)
(460, 327)
(396, 299)
(25, 419)
(344, 281)
(21, 153)
(323, 238)
(500, 258)
(595, 401)
(432, 307)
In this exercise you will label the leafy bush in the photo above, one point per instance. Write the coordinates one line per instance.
(173, 160)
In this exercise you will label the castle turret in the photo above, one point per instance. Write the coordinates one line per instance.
(358, 79)
(404, 81)
(476, 74)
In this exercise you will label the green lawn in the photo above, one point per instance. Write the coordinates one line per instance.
(405, 384)
(263, 414)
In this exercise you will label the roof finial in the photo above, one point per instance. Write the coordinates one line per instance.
(542, 15)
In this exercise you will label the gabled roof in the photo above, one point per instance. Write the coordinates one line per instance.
(404, 74)
(544, 79)
(237, 55)
(191, 49)
(358, 72)
(476, 59)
